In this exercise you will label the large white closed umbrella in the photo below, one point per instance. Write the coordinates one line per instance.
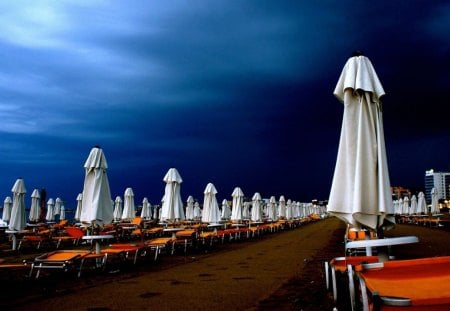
(256, 214)
(18, 218)
(211, 211)
(172, 208)
(360, 193)
(434, 202)
(7, 204)
(145, 212)
(57, 208)
(226, 210)
(129, 210)
(96, 203)
(190, 208)
(50, 216)
(35, 209)
(421, 204)
(272, 208)
(237, 205)
(118, 209)
(79, 206)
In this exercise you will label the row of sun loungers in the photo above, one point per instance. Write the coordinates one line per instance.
(70, 250)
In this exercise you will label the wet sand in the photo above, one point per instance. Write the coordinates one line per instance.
(282, 271)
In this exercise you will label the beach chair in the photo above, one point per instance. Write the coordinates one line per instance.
(63, 260)
(186, 238)
(69, 234)
(126, 251)
(415, 284)
(161, 244)
(340, 265)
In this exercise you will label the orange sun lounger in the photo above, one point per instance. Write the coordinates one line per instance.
(419, 284)
(63, 260)
(340, 264)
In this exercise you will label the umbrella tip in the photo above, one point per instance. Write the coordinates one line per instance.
(97, 146)
(357, 53)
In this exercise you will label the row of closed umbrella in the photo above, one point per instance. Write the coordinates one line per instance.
(416, 206)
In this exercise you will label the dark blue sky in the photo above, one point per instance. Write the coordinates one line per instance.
(237, 93)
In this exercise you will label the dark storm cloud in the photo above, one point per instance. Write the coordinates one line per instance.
(234, 93)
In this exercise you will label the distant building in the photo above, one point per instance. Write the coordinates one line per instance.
(438, 180)
(400, 193)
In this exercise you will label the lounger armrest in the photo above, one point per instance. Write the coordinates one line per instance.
(396, 301)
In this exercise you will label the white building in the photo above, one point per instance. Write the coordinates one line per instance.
(438, 180)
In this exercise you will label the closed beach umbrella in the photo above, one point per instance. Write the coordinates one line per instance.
(237, 204)
(129, 210)
(246, 211)
(422, 204)
(211, 211)
(18, 218)
(272, 208)
(62, 212)
(197, 211)
(282, 208)
(190, 208)
(7, 204)
(35, 209)
(57, 209)
(96, 203)
(434, 202)
(79, 206)
(256, 214)
(413, 209)
(226, 210)
(289, 211)
(172, 208)
(117, 214)
(146, 213)
(50, 216)
(360, 193)
(405, 209)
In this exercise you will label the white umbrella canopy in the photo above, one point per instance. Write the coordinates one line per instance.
(79, 206)
(35, 209)
(422, 204)
(57, 208)
(246, 211)
(6, 215)
(118, 209)
(172, 208)
(62, 212)
(282, 207)
(18, 218)
(237, 204)
(405, 208)
(50, 216)
(272, 208)
(256, 214)
(226, 210)
(190, 208)
(145, 212)
(360, 193)
(413, 209)
(197, 211)
(129, 210)
(96, 203)
(289, 211)
(434, 202)
(211, 211)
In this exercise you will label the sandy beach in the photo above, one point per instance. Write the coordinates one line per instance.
(282, 271)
